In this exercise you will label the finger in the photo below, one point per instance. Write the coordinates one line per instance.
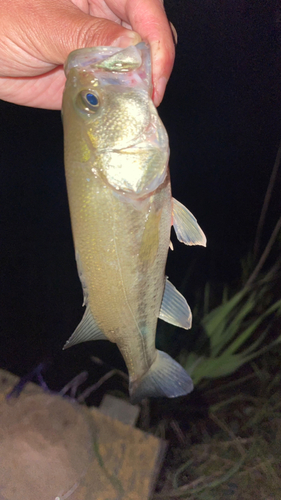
(148, 18)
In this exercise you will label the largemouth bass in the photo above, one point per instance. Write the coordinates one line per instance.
(116, 163)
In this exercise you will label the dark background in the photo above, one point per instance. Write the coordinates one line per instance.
(222, 111)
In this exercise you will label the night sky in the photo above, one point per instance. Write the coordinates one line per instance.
(222, 111)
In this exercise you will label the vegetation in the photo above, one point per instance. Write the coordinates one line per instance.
(234, 451)
(235, 330)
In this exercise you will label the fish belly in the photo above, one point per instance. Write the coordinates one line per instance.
(122, 246)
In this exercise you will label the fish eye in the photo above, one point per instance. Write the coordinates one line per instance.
(92, 99)
(89, 100)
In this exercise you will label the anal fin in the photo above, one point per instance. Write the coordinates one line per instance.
(186, 226)
(86, 330)
(174, 308)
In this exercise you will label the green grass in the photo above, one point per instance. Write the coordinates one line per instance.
(235, 330)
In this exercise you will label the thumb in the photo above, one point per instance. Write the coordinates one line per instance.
(70, 29)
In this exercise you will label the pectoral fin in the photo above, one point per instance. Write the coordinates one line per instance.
(86, 330)
(174, 308)
(186, 227)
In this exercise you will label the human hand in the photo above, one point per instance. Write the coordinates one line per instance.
(37, 36)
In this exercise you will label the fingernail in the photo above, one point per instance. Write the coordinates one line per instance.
(159, 90)
(131, 38)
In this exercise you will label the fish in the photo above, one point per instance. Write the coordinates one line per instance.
(116, 152)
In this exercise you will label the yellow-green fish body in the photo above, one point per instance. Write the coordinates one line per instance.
(116, 162)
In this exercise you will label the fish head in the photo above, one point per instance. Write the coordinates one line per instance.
(110, 121)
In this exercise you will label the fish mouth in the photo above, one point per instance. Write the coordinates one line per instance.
(139, 167)
(136, 170)
(129, 66)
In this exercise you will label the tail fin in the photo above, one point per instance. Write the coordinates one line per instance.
(165, 378)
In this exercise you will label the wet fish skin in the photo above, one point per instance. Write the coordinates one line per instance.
(116, 162)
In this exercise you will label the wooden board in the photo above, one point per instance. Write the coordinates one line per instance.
(122, 462)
